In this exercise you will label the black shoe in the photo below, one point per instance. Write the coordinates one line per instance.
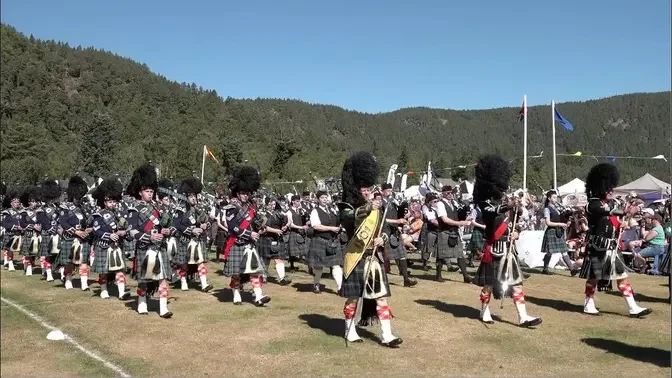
(207, 288)
(125, 296)
(531, 323)
(574, 272)
(644, 312)
(260, 303)
(394, 343)
(410, 282)
(425, 268)
(468, 279)
(316, 288)
(546, 272)
(284, 282)
(439, 279)
(167, 315)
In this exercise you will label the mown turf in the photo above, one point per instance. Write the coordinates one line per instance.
(300, 333)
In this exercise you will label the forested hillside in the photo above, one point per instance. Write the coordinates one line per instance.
(67, 109)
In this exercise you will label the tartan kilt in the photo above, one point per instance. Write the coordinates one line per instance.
(487, 275)
(181, 256)
(446, 252)
(235, 266)
(100, 264)
(552, 243)
(395, 253)
(45, 245)
(353, 286)
(166, 268)
(265, 248)
(598, 265)
(477, 241)
(317, 254)
(64, 257)
(294, 247)
(25, 245)
(429, 245)
(128, 246)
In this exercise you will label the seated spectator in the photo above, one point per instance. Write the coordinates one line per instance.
(653, 244)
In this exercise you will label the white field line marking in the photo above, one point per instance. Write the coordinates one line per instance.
(120, 372)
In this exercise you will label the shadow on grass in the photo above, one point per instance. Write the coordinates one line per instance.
(563, 306)
(334, 326)
(642, 297)
(649, 355)
(308, 288)
(460, 311)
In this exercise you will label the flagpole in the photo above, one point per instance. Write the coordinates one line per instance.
(525, 144)
(555, 167)
(203, 163)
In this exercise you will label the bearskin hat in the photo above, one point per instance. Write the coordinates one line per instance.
(77, 188)
(50, 190)
(144, 177)
(164, 185)
(109, 188)
(192, 185)
(601, 179)
(359, 171)
(492, 175)
(11, 193)
(30, 193)
(244, 179)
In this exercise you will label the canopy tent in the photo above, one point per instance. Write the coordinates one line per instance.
(646, 186)
(576, 186)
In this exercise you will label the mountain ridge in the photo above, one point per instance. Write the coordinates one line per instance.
(98, 112)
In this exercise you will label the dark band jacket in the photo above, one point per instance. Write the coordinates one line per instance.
(494, 215)
(603, 221)
(147, 223)
(235, 215)
(105, 223)
(72, 218)
(186, 221)
(11, 221)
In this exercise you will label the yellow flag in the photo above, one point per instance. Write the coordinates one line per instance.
(209, 153)
(578, 153)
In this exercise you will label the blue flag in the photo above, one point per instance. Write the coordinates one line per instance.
(565, 123)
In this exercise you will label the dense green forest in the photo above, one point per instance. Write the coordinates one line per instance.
(76, 109)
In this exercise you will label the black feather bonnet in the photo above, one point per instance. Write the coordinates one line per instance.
(244, 179)
(77, 188)
(164, 186)
(359, 171)
(12, 192)
(191, 185)
(601, 179)
(110, 188)
(51, 190)
(143, 178)
(30, 193)
(492, 175)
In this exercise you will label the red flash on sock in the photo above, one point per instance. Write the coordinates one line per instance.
(485, 297)
(518, 296)
(102, 279)
(120, 278)
(383, 312)
(626, 289)
(590, 290)
(141, 292)
(202, 270)
(349, 310)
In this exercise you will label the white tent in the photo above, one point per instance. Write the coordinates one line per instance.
(644, 185)
(576, 186)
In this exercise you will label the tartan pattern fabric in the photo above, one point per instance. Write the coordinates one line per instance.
(395, 253)
(477, 241)
(296, 249)
(26, 250)
(100, 264)
(598, 266)
(64, 257)
(181, 256)
(166, 268)
(265, 248)
(552, 243)
(235, 266)
(45, 245)
(429, 245)
(317, 254)
(353, 286)
(444, 251)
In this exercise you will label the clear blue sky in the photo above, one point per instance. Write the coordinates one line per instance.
(377, 55)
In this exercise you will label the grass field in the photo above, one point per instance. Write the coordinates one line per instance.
(300, 333)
